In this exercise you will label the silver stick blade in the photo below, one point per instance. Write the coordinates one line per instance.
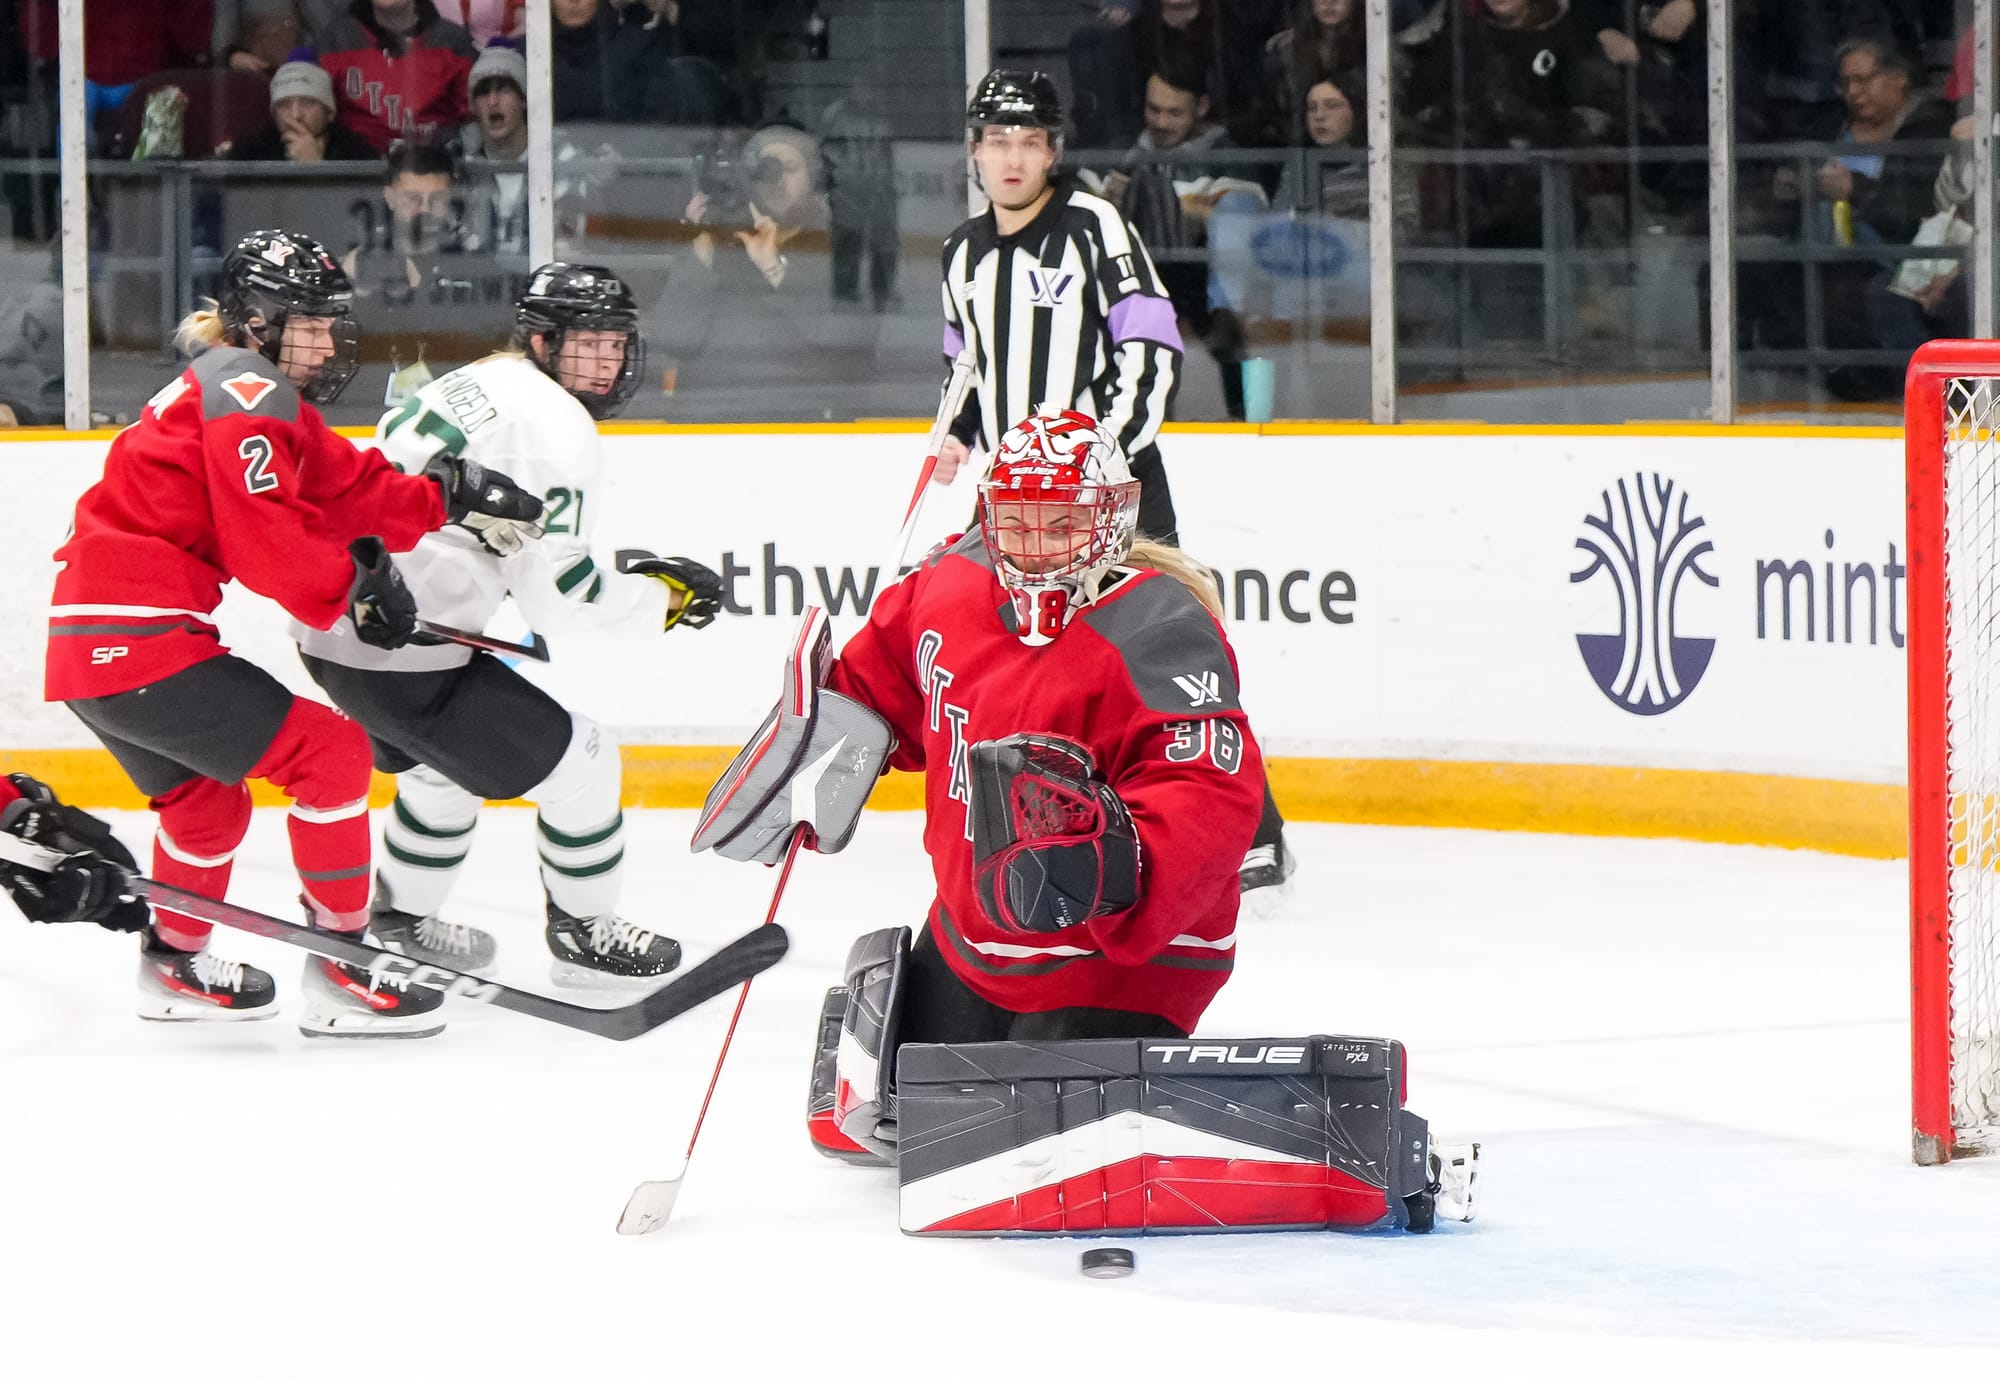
(651, 1204)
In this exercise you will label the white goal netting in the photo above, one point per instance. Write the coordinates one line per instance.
(1972, 753)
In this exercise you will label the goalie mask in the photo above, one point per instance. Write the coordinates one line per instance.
(589, 327)
(1058, 510)
(276, 277)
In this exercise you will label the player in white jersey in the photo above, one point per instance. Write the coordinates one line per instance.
(460, 727)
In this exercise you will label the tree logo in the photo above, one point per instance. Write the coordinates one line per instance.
(1646, 542)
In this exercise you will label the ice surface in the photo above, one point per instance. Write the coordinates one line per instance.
(1688, 1065)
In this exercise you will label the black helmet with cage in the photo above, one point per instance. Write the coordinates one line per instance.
(272, 275)
(1007, 97)
(561, 298)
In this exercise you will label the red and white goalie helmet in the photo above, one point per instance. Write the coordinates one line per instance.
(1058, 509)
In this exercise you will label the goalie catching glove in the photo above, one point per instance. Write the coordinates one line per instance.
(499, 512)
(694, 591)
(811, 765)
(1052, 846)
(92, 880)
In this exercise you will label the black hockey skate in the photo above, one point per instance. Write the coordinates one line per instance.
(592, 951)
(429, 940)
(175, 985)
(1265, 877)
(350, 1001)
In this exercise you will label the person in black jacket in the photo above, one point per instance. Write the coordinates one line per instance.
(304, 127)
(1872, 192)
(608, 66)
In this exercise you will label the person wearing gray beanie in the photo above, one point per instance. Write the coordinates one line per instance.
(303, 126)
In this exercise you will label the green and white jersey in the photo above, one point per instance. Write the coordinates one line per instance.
(509, 416)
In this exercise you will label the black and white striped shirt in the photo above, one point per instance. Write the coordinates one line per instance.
(1067, 312)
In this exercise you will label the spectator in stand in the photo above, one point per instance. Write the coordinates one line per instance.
(1332, 121)
(613, 66)
(261, 35)
(1786, 57)
(122, 44)
(496, 201)
(1223, 40)
(431, 305)
(858, 152)
(31, 348)
(745, 308)
(1531, 78)
(1324, 43)
(304, 126)
(1887, 194)
(487, 20)
(398, 70)
(1172, 202)
(246, 32)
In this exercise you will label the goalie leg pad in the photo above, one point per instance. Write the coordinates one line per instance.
(820, 1126)
(864, 1107)
(1051, 1138)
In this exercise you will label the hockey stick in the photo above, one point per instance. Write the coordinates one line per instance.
(738, 961)
(537, 651)
(954, 398)
(812, 650)
(652, 1203)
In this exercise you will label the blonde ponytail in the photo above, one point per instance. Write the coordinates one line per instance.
(199, 330)
(1158, 556)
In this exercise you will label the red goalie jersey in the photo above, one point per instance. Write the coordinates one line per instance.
(1145, 679)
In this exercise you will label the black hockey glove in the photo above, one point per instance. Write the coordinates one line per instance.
(381, 605)
(499, 512)
(699, 588)
(93, 881)
(1051, 845)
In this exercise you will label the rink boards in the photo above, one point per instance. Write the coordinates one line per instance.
(1684, 631)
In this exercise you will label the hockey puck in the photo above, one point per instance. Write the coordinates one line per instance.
(1107, 1263)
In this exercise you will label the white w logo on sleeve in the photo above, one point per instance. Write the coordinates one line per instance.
(1201, 688)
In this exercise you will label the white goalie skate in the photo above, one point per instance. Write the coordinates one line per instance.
(1455, 1172)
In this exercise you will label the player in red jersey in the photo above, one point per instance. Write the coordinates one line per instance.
(231, 473)
(1091, 782)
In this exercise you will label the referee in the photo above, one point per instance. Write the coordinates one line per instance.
(1055, 296)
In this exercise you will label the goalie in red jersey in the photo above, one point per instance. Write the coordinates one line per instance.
(1091, 779)
(1091, 784)
(231, 473)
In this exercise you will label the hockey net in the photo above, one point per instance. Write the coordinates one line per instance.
(1952, 439)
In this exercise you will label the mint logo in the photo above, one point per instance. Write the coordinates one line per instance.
(1646, 543)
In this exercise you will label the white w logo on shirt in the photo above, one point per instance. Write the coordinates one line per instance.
(1049, 287)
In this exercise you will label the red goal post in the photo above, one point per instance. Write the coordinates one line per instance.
(1951, 438)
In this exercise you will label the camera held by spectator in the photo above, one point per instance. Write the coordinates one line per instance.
(764, 196)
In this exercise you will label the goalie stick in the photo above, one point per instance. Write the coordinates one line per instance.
(652, 1202)
(737, 962)
(948, 406)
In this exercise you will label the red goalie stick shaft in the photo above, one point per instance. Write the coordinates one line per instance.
(954, 398)
(652, 1203)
